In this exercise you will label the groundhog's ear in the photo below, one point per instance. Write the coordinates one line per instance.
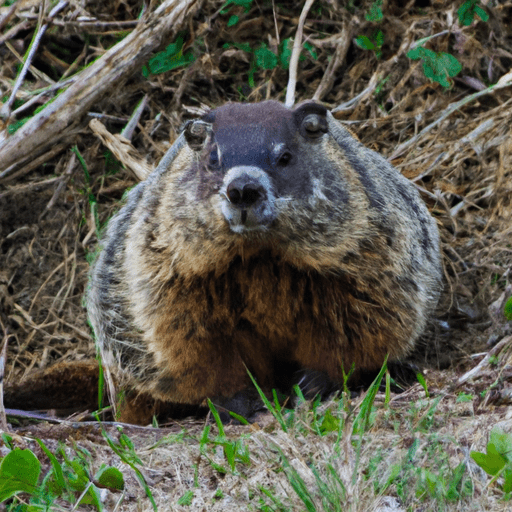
(311, 118)
(195, 133)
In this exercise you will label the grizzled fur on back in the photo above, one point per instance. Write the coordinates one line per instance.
(267, 236)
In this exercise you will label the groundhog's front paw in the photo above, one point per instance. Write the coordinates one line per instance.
(246, 403)
(313, 383)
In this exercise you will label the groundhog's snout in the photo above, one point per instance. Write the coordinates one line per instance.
(245, 191)
(248, 201)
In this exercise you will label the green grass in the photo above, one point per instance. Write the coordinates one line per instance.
(341, 455)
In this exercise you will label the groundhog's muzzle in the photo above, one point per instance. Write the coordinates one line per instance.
(248, 201)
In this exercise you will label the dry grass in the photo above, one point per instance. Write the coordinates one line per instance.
(455, 144)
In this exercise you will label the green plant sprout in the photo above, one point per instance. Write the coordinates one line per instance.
(234, 451)
(469, 10)
(170, 58)
(438, 66)
(264, 58)
(373, 43)
(497, 462)
(125, 450)
(375, 12)
(69, 480)
(234, 19)
(507, 309)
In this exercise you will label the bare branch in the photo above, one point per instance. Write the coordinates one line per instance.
(6, 109)
(294, 60)
(504, 81)
(55, 121)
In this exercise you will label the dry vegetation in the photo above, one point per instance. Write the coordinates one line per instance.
(62, 176)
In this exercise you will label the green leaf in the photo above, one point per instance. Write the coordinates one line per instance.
(364, 43)
(58, 484)
(379, 38)
(363, 418)
(421, 379)
(449, 64)
(329, 423)
(465, 13)
(375, 12)
(502, 442)
(436, 66)
(233, 20)
(491, 462)
(415, 53)
(92, 497)
(507, 476)
(480, 12)
(239, 418)
(468, 10)
(246, 47)
(311, 49)
(265, 58)
(246, 4)
(507, 310)
(19, 472)
(110, 478)
(285, 52)
(186, 499)
(7, 439)
(170, 58)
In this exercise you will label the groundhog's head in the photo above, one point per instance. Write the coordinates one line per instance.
(260, 153)
(274, 171)
(264, 176)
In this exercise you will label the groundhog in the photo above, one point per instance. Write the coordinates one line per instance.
(269, 240)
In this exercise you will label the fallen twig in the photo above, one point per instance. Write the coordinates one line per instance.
(128, 130)
(504, 81)
(8, 15)
(6, 109)
(122, 150)
(342, 45)
(46, 128)
(485, 361)
(294, 60)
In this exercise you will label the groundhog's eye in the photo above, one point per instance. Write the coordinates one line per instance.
(285, 158)
(214, 158)
(195, 134)
(314, 126)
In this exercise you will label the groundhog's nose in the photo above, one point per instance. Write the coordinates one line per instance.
(245, 191)
(247, 199)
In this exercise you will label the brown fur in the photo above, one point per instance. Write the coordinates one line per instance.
(342, 268)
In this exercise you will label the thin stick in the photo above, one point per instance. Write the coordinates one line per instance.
(34, 45)
(122, 150)
(60, 116)
(350, 104)
(8, 15)
(342, 45)
(128, 130)
(485, 361)
(33, 164)
(52, 273)
(24, 25)
(47, 91)
(294, 60)
(504, 81)
(62, 183)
